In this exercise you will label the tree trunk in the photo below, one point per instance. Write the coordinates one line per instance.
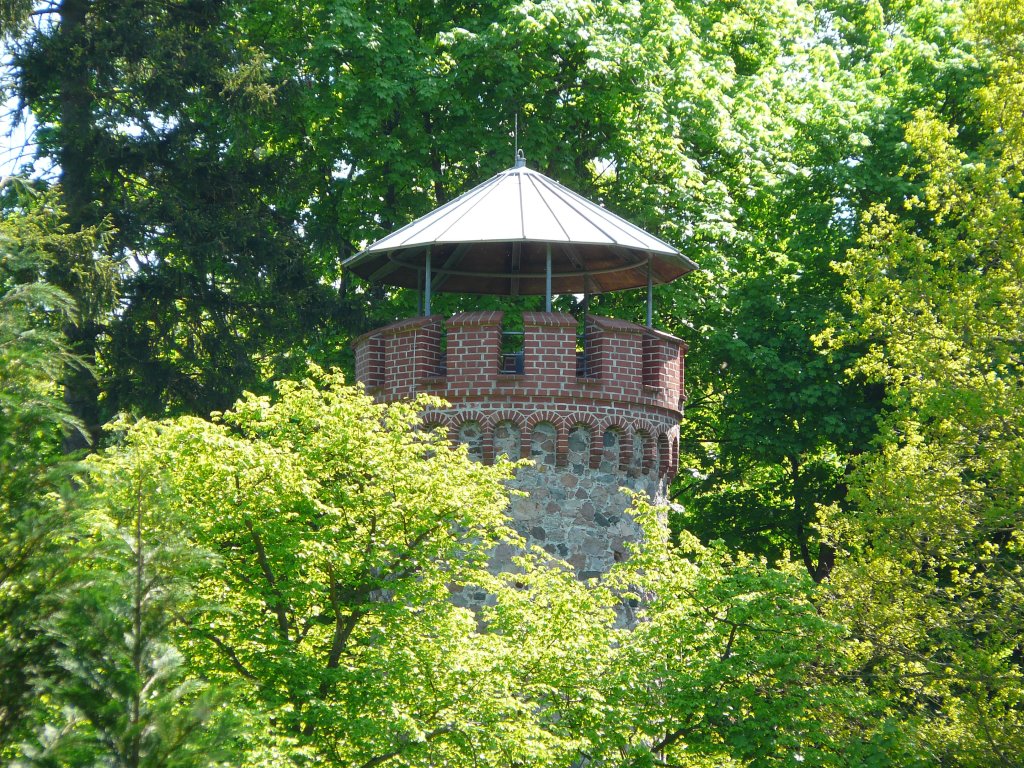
(81, 390)
(820, 570)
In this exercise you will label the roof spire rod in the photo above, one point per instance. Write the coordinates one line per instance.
(515, 139)
(520, 157)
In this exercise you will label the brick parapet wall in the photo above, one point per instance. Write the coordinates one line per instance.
(632, 382)
(623, 362)
(474, 352)
(549, 351)
(370, 361)
(391, 360)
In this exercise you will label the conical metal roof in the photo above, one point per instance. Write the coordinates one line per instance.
(495, 239)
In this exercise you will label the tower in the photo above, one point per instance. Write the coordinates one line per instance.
(595, 403)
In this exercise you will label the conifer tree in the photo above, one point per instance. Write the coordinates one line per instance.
(148, 109)
(36, 514)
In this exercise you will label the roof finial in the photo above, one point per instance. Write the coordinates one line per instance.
(520, 158)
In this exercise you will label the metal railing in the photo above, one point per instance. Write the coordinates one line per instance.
(513, 360)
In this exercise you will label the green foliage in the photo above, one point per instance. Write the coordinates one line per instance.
(338, 528)
(34, 482)
(773, 423)
(733, 663)
(14, 16)
(150, 109)
(121, 693)
(339, 531)
(34, 352)
(86, 673)
(847, 173)
(933, 586)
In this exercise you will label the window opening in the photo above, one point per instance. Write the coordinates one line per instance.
(584, 370)
(512, 356)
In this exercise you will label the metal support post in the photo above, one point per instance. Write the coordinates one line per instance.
(426, 287)
(547, 282)
(650, 295)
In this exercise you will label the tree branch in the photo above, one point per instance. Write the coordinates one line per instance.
(375, 761)
(278, 608)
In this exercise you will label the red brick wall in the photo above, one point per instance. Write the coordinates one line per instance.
(616, 357)
(393, 360)
(634, 380)
(474, 351)
(370, 361)
(549, 349)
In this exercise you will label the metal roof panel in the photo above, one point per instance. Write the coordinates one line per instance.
(474, 235)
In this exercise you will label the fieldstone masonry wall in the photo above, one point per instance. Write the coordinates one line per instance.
(578, 513)
(592, 419)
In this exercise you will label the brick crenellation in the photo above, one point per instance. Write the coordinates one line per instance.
(626, 378)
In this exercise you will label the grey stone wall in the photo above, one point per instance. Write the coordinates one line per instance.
(577, 514)
(573, 512)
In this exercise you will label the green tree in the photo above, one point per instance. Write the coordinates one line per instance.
(149, 111)
(120, 692)
(733, 663)
(36, 516)
(933, 586)
(339, 528)
(86, 673)
(773, 423)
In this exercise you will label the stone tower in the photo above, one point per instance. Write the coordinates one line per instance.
(596, 404)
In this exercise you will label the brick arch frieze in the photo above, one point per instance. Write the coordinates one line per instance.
(457, 419)
(435, 420)
(492, 419)
(553, 418)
